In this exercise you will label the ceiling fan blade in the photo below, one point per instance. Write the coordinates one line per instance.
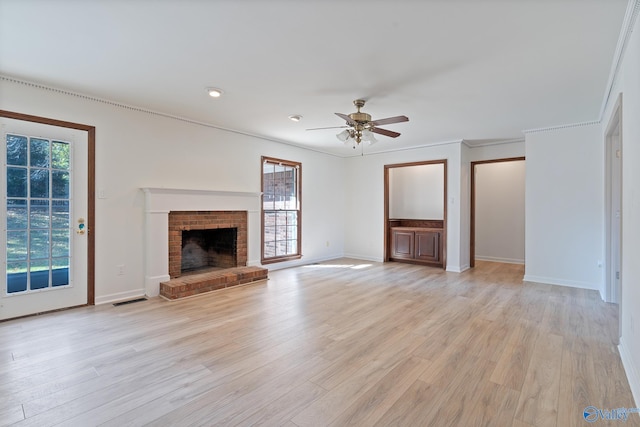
(346, 118)
(385, 132)
(389, 120)
(330, 127)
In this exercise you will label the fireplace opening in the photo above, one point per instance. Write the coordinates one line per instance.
(194, 221)
(209, 249)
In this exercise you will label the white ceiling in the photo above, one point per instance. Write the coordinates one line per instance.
(459, 69)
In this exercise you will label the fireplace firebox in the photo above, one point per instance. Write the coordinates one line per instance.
(206, 249)
(200, 240)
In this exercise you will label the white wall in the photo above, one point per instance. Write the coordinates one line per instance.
(135, 149)
(627, 85)
(364, 227)
(417, 192)
(565, 206)
(500, 211)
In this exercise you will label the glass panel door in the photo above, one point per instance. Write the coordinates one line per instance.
(43, 239)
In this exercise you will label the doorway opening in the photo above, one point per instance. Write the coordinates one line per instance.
(499, 249)
(613, 210)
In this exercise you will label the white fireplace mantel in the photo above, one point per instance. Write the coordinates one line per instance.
(160, 201)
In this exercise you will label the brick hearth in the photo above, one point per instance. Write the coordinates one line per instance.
(194, 284)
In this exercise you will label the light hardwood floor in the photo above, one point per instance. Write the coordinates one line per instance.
(339, 343)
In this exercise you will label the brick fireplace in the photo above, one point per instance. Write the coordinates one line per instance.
(187, 230)
(159, 203)
(207, 252)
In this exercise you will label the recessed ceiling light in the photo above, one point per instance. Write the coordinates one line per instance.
(214, 92)
(295, 117)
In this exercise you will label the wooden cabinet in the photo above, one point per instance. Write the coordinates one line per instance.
(416, 244)
(427, 245)
(402, 243)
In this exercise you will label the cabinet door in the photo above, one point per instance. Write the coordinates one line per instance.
(402, 243)
(427, 245)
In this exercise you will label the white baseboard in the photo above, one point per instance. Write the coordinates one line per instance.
(560, 282)
(457, 268)
(120, 296)
(603, 296)
(497, 259)
(630, 370)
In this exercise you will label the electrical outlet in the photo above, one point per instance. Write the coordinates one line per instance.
(327, 243)
(120, 269)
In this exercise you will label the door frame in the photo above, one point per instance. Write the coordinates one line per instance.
(613, 287)
(91, 184)
(472, 207)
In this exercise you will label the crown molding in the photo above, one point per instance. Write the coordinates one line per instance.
(565, 126)
(630, 17)
(117, 104)
(490, 143)
(39, 86)
(361, 152)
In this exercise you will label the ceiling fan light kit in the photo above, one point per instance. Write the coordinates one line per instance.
(344, 135)
(367, 136)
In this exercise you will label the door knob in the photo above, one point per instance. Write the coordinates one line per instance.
(81, 228)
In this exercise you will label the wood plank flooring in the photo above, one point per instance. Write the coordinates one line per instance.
(339, 343)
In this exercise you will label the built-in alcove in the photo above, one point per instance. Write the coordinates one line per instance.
(416, 212)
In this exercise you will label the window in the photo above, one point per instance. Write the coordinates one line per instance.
(281, 210)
